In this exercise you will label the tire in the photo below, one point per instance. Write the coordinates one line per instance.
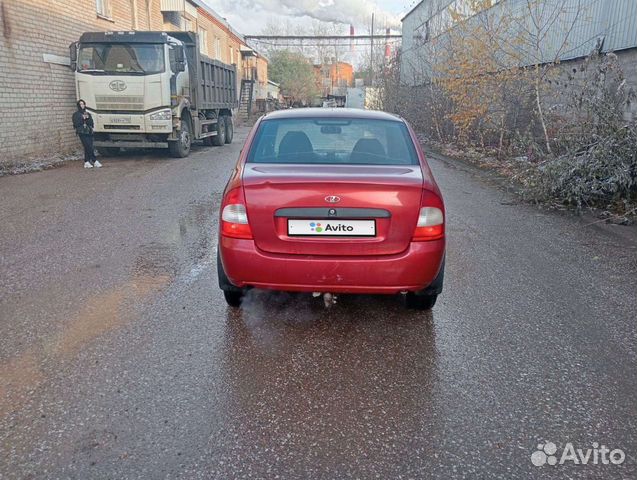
(232, 294)
(220, 138)
(426, 298)
(229, 129)
(233, 299)
(181, 147)
(108, 151)
(420, 302)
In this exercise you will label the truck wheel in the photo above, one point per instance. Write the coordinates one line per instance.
(229, 129)
(108, 151)
(219, 139)
(181, 148)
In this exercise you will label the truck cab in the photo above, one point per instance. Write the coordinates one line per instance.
(153, 90)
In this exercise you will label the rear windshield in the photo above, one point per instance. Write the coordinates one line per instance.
(333, 141)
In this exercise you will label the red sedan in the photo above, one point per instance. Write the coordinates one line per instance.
(332, 201)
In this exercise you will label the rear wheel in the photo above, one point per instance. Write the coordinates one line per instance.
(229, 129)
(233, 299)
(220, 139)
(181, 147)
(426, 299)
(232, 293)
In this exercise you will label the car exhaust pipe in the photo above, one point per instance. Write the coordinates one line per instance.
(329, 299)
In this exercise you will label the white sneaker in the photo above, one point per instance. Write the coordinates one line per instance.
(97, 164)
(88, 165)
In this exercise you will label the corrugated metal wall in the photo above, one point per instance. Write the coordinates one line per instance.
(571, 28)
(568, 29)
(621, 24)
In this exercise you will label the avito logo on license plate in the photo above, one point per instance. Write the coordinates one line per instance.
(345, 228)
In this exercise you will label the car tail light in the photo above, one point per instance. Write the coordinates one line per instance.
(234, 217)
(431, 219)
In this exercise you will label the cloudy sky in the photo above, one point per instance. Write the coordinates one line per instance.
(252, 16)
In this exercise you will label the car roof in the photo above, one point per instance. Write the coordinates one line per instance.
(331, 113)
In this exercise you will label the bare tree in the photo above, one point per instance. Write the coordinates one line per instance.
(546, 28)
(319, 50)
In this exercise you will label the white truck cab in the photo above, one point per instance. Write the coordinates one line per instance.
(153, 90)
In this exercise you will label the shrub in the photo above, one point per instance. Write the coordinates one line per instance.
(595, 163)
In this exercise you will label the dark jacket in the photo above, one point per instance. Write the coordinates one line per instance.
(82, 126)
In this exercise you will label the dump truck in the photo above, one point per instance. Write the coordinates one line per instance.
(153, 90)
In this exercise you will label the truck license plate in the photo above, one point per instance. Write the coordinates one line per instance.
(120, 120)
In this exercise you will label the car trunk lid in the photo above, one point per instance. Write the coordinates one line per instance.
(381, 200)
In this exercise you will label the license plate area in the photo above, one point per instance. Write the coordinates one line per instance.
(121, 120)
(331, 228)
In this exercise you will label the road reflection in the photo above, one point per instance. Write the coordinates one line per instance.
(328, 387)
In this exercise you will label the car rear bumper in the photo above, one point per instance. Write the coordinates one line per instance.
(412, 270)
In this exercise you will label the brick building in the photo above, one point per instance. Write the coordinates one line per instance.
(334, 78)
(37, 93)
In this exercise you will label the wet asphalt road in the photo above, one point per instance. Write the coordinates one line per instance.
(119, 358)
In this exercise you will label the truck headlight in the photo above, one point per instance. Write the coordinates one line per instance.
(162, 115)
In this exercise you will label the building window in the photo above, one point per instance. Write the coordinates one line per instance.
(203, 40)
(186, 24)
(231, 54)
(103, 8)
(217, 49)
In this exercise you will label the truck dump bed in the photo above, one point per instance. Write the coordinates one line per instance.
(217, 84)
(213, 84)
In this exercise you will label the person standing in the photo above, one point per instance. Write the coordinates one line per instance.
(83, 125)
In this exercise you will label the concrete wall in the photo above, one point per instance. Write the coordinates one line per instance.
(355, 97)
(628, 62)
(37, 98)
(571, 76)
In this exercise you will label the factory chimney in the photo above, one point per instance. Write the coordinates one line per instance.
(351, 34)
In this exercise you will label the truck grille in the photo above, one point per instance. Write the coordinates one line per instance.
(119, 102)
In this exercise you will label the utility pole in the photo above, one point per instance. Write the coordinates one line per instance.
(336, 71)
(371, 56)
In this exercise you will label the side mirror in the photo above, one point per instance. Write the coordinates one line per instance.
(73, 55)
(180, 59)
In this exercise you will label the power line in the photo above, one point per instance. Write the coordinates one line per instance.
(318, 44)
(321, 37)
